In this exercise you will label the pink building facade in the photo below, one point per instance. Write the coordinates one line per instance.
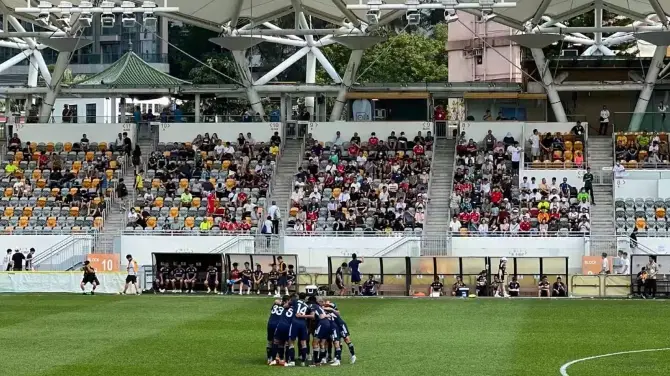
(472, 60)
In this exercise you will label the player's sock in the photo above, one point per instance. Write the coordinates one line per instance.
(330, 350)
(315, 356)
(268, 351)
(303, 354)
(282, 352)
(338, 353)
(290, 354)
(273, 351)
(323, 354)
(351, 348)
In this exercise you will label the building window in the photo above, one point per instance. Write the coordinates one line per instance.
(91, 113)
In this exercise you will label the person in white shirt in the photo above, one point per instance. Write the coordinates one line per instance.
(218, 149)
(535, 144)
(296, 196)
(619, 170)
(605, 269)
(338, 140)
(7, 261)
(483, 227)
(455, 225)
(345, 196)
(604, 121)
(332, 206)
(663, 109)
(383, 195)
(361, 159)
(132, 217)
(228, 149)
(533, 184)
(486, 187)
(275, 215)
(516, 156)
(315, 194)
(624, 263)
(18, 187)
(525, 185)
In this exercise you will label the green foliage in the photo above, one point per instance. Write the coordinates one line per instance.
(223, 62)
(404, 57)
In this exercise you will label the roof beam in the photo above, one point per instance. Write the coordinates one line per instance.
(510, 22)
(540, 11)
(624, 12)
(659, 11)
(572, 13)
(268, 17)
(347, 13)
(237, 9)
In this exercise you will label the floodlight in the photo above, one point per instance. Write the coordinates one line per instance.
(128, 16)
(449, 4)
(85, 17)
(372, 15)
(107, 18)
(487, 3)
(65, 13)
(450, 16)
(413, 16)
(149, 20)
(45, 12)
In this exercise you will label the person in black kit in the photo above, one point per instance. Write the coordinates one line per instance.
(89, 277)
(640, 281)
(290, 276)
(178, 278)
(559, 289)
(189, 281)
(17, 260)
(273, 278)
(339, 278)
(370, 286)
(246, 278)
(212, 279)
(513, 288)
(436, 288)
(543, 288)
(482, 282)
(258, 278)
(29, 259)
(457, 286)
(588, 184)
(163, 280)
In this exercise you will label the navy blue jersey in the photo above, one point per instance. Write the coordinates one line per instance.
(338, 319)
(287, 316)
(276, 313)
(339, 275)
(191, 272)
(353, 266)
(178, 272)
(302, 308)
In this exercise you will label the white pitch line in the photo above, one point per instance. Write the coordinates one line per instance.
(564, 367)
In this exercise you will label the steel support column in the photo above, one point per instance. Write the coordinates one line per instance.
(242, 65)
(347, 80)
(310, 78)
(552, 94)
(648, 88)
(56, 81)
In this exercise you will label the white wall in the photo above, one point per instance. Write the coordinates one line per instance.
(141, 247)
(63, 282)
(313, 252)
(183, 132)
(25, 242)
(659, 245)
(69, 132)
(572, 247)
(575, 177)
(644, 184)
(325, 131)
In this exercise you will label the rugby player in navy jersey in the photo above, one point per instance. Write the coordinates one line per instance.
(323, 333)
(191, 274)
(341, 329)
(355, 274)
(339, 278)
(281, 335)
(258, 278)
(302, 313)
(246, 278)
(275, 316)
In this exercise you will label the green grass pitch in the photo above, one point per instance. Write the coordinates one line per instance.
(72, 335)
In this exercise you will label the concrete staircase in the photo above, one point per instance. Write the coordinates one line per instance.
(286, 169)
(600, 155)
(116, 219)
(437, 220)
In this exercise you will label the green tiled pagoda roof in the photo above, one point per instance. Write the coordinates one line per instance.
(131, 70)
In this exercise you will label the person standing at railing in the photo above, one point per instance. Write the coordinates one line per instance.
(652, 271)
(588, 184)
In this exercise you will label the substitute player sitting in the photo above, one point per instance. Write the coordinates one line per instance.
(273, 281)
(247, 276)
(258, 278)
(291, 277)
(178, 278)
(235, 278)
(191, 275)
(436, 288)
(162, 279)
(212, 280)
(89, 277)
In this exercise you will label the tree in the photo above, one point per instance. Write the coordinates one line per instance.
(405, 57)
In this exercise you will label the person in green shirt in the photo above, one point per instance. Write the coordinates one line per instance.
(334, 158)
(186, 198)
(642, 141)
(588, 184)
(582, 196)
(205, 225)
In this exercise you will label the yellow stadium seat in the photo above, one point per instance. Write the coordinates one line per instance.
(74, 211)
(42, 202)
(9, 229)
(102, 146)
(50, 147)
(174, 212)
(568, 164)
(196, 202)
(23, 221)
(336, 192)
(568, 145)
(230, 183)
(97, 222)
(203, 155)
(18, 156)
(151, 222)
(67, 147)
(155, 183)
(640, 223)
(97, 200)
(158, 202)
(293, 212)
(51, 222)
(567, 155)
(9, 211)
(28, 211)
(109, 154)
(189, 222)
(183, 183)
(86, 183)
(37, 174)
(73, 191)
(76, 166)
(660, 212)
(95, 183)
(109, 173)
(76, 228)
(188, 145)
(225, 164)
(210, 220)
(113, 165)
(36, 156)
(8, 192)
(579, 146)
(89, 156)
(55, 192)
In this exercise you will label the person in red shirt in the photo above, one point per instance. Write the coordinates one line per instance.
(439, 113)
(223, 225)
(312, 216)
(496, 196)
(309, 225)
(464, 217)
(211, 203)
(418, 149)
(241, 199)
(245, 226)
(555, 214)
(353, 149)
(524, 225)
(373, 141)
(475, 216)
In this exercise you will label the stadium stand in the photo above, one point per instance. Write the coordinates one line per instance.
(362, 186)
(59, 187)
(642, 149)
(206, 185)
(648, 215)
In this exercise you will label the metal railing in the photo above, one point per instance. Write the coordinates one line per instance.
(430, 183)
(63, 255)
(292, 180)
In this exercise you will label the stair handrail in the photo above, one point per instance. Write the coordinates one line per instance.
(225, 245)
(292, 181)
(430, 182)
(47, 253)
(58, 253)
(453, 171)
(402, 240)
(271, 186)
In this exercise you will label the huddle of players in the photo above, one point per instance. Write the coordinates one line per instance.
(180, 279)
(293, 320)
(281, 276)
